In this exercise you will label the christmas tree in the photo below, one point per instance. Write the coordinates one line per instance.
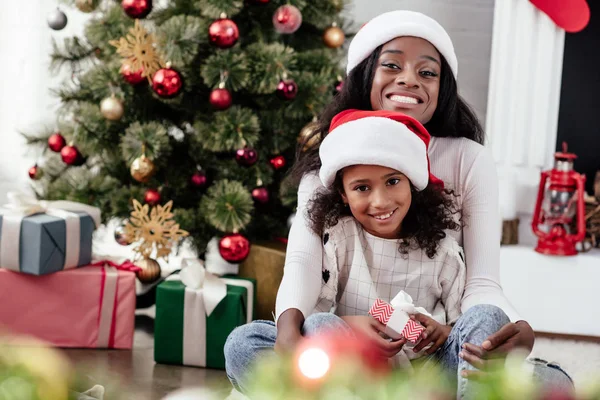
(197, 101)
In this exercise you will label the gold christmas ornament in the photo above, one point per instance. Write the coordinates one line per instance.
(121, 236)
(142, 169)
(155, 228)
(112, 108)
(150, 270)
(334, 37)
(86, 6)
(305, 134)
(138, 50)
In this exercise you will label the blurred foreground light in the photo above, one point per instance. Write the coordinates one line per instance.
(313, 363)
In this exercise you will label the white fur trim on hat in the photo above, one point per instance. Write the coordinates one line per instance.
(374, 141)
(393, 24)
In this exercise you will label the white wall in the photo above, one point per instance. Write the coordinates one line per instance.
(26, 104)
(25, 101)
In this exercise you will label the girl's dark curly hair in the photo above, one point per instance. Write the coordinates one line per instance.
(452, 118)
(430, 213)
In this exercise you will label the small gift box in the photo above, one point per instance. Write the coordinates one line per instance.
(396, 317)
(42, 237)
(196, 311)
(91, 307)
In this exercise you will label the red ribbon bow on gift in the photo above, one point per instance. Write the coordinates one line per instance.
(124, 266)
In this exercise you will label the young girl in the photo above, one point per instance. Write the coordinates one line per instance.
(382, 218)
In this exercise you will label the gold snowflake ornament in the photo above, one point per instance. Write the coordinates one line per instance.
(155, 228)
(137, 49)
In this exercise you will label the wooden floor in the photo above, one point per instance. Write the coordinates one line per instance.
(136, 372)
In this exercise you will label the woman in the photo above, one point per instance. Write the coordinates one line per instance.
(405, 61)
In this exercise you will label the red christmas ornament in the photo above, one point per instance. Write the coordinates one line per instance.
(137, 8)
(152, 197)
(234, 248)
(287, 19)
(56, 142)
(572, 16)
(130, 76)
(260, 195)
(246, 157)
(35, 172)
(260, 1)
(71, 156)
(287, 89)
(277, 162)
(220, 99)
(167, 83)
(223, 33)
(198, 179)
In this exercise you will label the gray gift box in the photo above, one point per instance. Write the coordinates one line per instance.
(43, 243)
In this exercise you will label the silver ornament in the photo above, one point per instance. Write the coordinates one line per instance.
(57, 19)
(121, 236)
(290, 220)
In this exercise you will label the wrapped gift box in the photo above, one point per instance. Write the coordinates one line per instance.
(40, 238)
(265, 264)
(396, 317)
(193, 321)
(91, 307)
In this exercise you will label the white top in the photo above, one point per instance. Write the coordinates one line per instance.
(359, 268)
(465, 167)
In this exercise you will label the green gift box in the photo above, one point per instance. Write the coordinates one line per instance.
(186, 334)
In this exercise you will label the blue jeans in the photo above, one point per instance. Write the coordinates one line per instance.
(245, 343)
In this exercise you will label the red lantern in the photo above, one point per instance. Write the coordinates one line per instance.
(560, 200)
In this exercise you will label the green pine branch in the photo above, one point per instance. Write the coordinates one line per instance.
(229, 130)
(227, 206)
(180, 37)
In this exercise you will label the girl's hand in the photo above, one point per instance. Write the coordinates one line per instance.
(495, 348)
(435, 333)
(372, 329)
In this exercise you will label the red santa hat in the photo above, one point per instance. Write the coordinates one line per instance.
(387, 138)
(393, 24)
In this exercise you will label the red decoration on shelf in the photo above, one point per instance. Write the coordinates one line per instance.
(198, 179)
(223, 33)
(234, 248)
(246, 157)
(56, 142)
(278, 162)
(152, 197)
(572, 16)
(71, 156)
(137, 8)
(220, 99)
(130, 76)
(35, 172)
(287, 89)
(167, 82)
(287, 19)
(260, 195)
(560, 199)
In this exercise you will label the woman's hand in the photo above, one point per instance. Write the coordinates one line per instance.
(372, 329)
(435, 333)
(288, 330)
(495, 348)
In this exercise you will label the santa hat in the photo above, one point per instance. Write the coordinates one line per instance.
(387, 138)
(393, 24)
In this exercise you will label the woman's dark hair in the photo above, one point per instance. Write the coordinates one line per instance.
(430, 213)
(452, 117)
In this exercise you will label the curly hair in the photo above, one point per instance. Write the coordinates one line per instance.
(430, 213)
(452, 118)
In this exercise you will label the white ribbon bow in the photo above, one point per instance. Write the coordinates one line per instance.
(404, 302)
(195, 277)
(20, 206)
